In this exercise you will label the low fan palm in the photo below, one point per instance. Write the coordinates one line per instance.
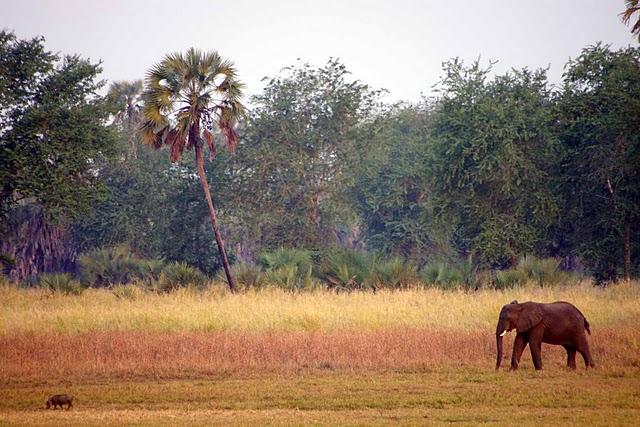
(188, 100)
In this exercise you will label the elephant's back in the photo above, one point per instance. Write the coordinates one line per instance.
(565, 306)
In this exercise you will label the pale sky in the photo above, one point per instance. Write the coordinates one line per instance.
(398, 45)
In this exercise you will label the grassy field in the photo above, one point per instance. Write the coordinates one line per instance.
(411, 357)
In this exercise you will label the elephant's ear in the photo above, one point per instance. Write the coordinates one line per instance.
(530, 316)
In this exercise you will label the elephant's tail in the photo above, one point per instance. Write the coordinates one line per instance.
(586, 326)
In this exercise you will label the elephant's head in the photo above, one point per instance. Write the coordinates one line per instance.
(520, 317)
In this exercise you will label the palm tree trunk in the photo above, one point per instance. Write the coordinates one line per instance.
(214, 218)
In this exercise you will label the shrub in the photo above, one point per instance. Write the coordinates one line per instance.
(149, 270)
(247, 275)
(108, 266)
(396, 273)
(180, 275)
(117, 265)
(290, 269)
(60, 282)
(7, 262)
(449, 275)
(530, 269)
(508, 279)
(347, 269)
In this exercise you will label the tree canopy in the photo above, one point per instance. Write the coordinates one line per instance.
(52, 127)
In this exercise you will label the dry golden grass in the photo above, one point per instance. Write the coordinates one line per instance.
(38, 311)
(135, 354)
(275, 358)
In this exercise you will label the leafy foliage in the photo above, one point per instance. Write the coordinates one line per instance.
(61, 282)
(348, 269)
(449, 274)
(632, 8)
(530, 269)
(52, 128)
(600, 99)
(396, 273)
(180, 275)
(295, 150)
(117, 265)
(389, 186)
(290, 269)
(494, 148)
(248, 275)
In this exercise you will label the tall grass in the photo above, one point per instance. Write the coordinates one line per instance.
(214, 309)
(25, 357)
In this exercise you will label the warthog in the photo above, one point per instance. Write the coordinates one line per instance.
(59, 400)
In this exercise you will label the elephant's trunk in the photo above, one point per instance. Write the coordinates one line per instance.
(501, 329)
(499, 345)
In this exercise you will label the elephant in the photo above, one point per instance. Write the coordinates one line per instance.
(558, 323)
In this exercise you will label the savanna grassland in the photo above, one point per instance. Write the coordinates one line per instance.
(420, 356)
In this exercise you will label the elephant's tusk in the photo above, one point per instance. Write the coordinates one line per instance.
(503, 332)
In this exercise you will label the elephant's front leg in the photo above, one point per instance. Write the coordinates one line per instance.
(536, 352)
(518, 347)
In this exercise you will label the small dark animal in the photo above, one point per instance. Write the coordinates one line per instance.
(59, 400)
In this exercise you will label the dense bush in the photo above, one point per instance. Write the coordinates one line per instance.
(61, 282)
(118, 265)
(108, 266)
(542, 272)
(449, 274)
(247, 275)
(395, 273)
(290, 269)
(348, 269)
(180, 275)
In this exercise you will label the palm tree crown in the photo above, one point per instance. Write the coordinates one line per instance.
(633, 8)
(186, 97)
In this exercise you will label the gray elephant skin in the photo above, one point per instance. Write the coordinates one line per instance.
(558, 323)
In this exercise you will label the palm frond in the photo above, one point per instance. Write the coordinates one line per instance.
(184, 100)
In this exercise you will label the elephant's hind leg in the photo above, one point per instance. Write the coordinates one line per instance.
(571, 356)
(586, 355)
(583, 348)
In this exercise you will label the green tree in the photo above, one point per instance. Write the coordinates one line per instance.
(296, 147)
(493, 150)
(53, 134)
(390, 188)
(52, 128)
(187, 98)
(600, 106)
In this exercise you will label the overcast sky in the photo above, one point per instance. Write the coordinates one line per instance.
(398, 45)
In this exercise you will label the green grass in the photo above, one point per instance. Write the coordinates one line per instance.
(460, 396)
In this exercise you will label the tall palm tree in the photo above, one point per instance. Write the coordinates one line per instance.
(125, 99)
(633, 7)
(187, 100)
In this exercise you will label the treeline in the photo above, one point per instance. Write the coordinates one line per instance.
(491, 170)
